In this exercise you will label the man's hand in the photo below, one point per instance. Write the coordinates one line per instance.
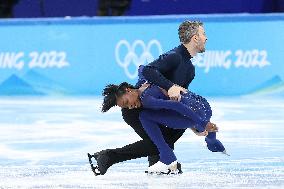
(144, 86)
(174, 92)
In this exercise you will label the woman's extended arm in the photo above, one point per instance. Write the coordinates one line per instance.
(155, 103)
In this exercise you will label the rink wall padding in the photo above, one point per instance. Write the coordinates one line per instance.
(79, 56)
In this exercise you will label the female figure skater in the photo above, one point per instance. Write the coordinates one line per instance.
(191, 111)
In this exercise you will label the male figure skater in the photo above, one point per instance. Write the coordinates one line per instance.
(172, 71)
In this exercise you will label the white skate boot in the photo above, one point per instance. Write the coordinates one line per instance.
(162, 168)
(159, 168)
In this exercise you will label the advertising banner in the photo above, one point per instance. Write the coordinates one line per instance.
(79, 56)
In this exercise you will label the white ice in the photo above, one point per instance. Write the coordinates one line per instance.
(44, 144)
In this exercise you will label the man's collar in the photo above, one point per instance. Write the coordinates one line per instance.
(185, 51)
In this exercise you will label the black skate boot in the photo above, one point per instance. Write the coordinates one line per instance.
(102, 162)
(94, 168)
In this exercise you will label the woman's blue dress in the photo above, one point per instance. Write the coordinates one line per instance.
(192, 111)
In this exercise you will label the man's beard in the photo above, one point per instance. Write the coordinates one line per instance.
(202, 50)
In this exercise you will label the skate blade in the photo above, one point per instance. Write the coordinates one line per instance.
(225, 153)
(169, 172)
(95, 169)
(157, 173)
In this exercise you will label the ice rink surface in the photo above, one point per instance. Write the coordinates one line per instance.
(44, 144)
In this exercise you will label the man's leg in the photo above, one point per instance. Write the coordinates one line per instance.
(131, 117)
(142, 148)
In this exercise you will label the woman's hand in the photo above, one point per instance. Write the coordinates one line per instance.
(204, 133)
(211, 127)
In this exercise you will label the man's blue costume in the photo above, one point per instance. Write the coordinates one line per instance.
(192, 111)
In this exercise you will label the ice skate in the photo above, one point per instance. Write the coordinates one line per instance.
(94, 168)
(175, 168)
(102, 159)
(160, 168)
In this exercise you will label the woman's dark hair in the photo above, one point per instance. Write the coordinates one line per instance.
(111, 92)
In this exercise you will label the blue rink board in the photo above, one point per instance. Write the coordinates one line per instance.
(79, 56)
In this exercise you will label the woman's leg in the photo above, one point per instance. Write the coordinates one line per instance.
(151, 119)
(213, 144)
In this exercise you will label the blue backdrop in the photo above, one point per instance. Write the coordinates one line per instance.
(58, 8)
(79, 56)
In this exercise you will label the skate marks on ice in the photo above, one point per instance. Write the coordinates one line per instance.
(44, 142)
(228, 174)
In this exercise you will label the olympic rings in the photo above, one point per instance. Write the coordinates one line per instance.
(132, 57)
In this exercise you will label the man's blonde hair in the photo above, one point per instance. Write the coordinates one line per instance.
(187, 30)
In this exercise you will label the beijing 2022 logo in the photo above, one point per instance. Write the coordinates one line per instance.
(131, 56)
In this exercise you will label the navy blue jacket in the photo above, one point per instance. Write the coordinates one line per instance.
(172, 67)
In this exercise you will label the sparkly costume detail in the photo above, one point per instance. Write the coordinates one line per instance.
(193, 111)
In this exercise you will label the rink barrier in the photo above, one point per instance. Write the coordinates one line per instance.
(79, 56)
